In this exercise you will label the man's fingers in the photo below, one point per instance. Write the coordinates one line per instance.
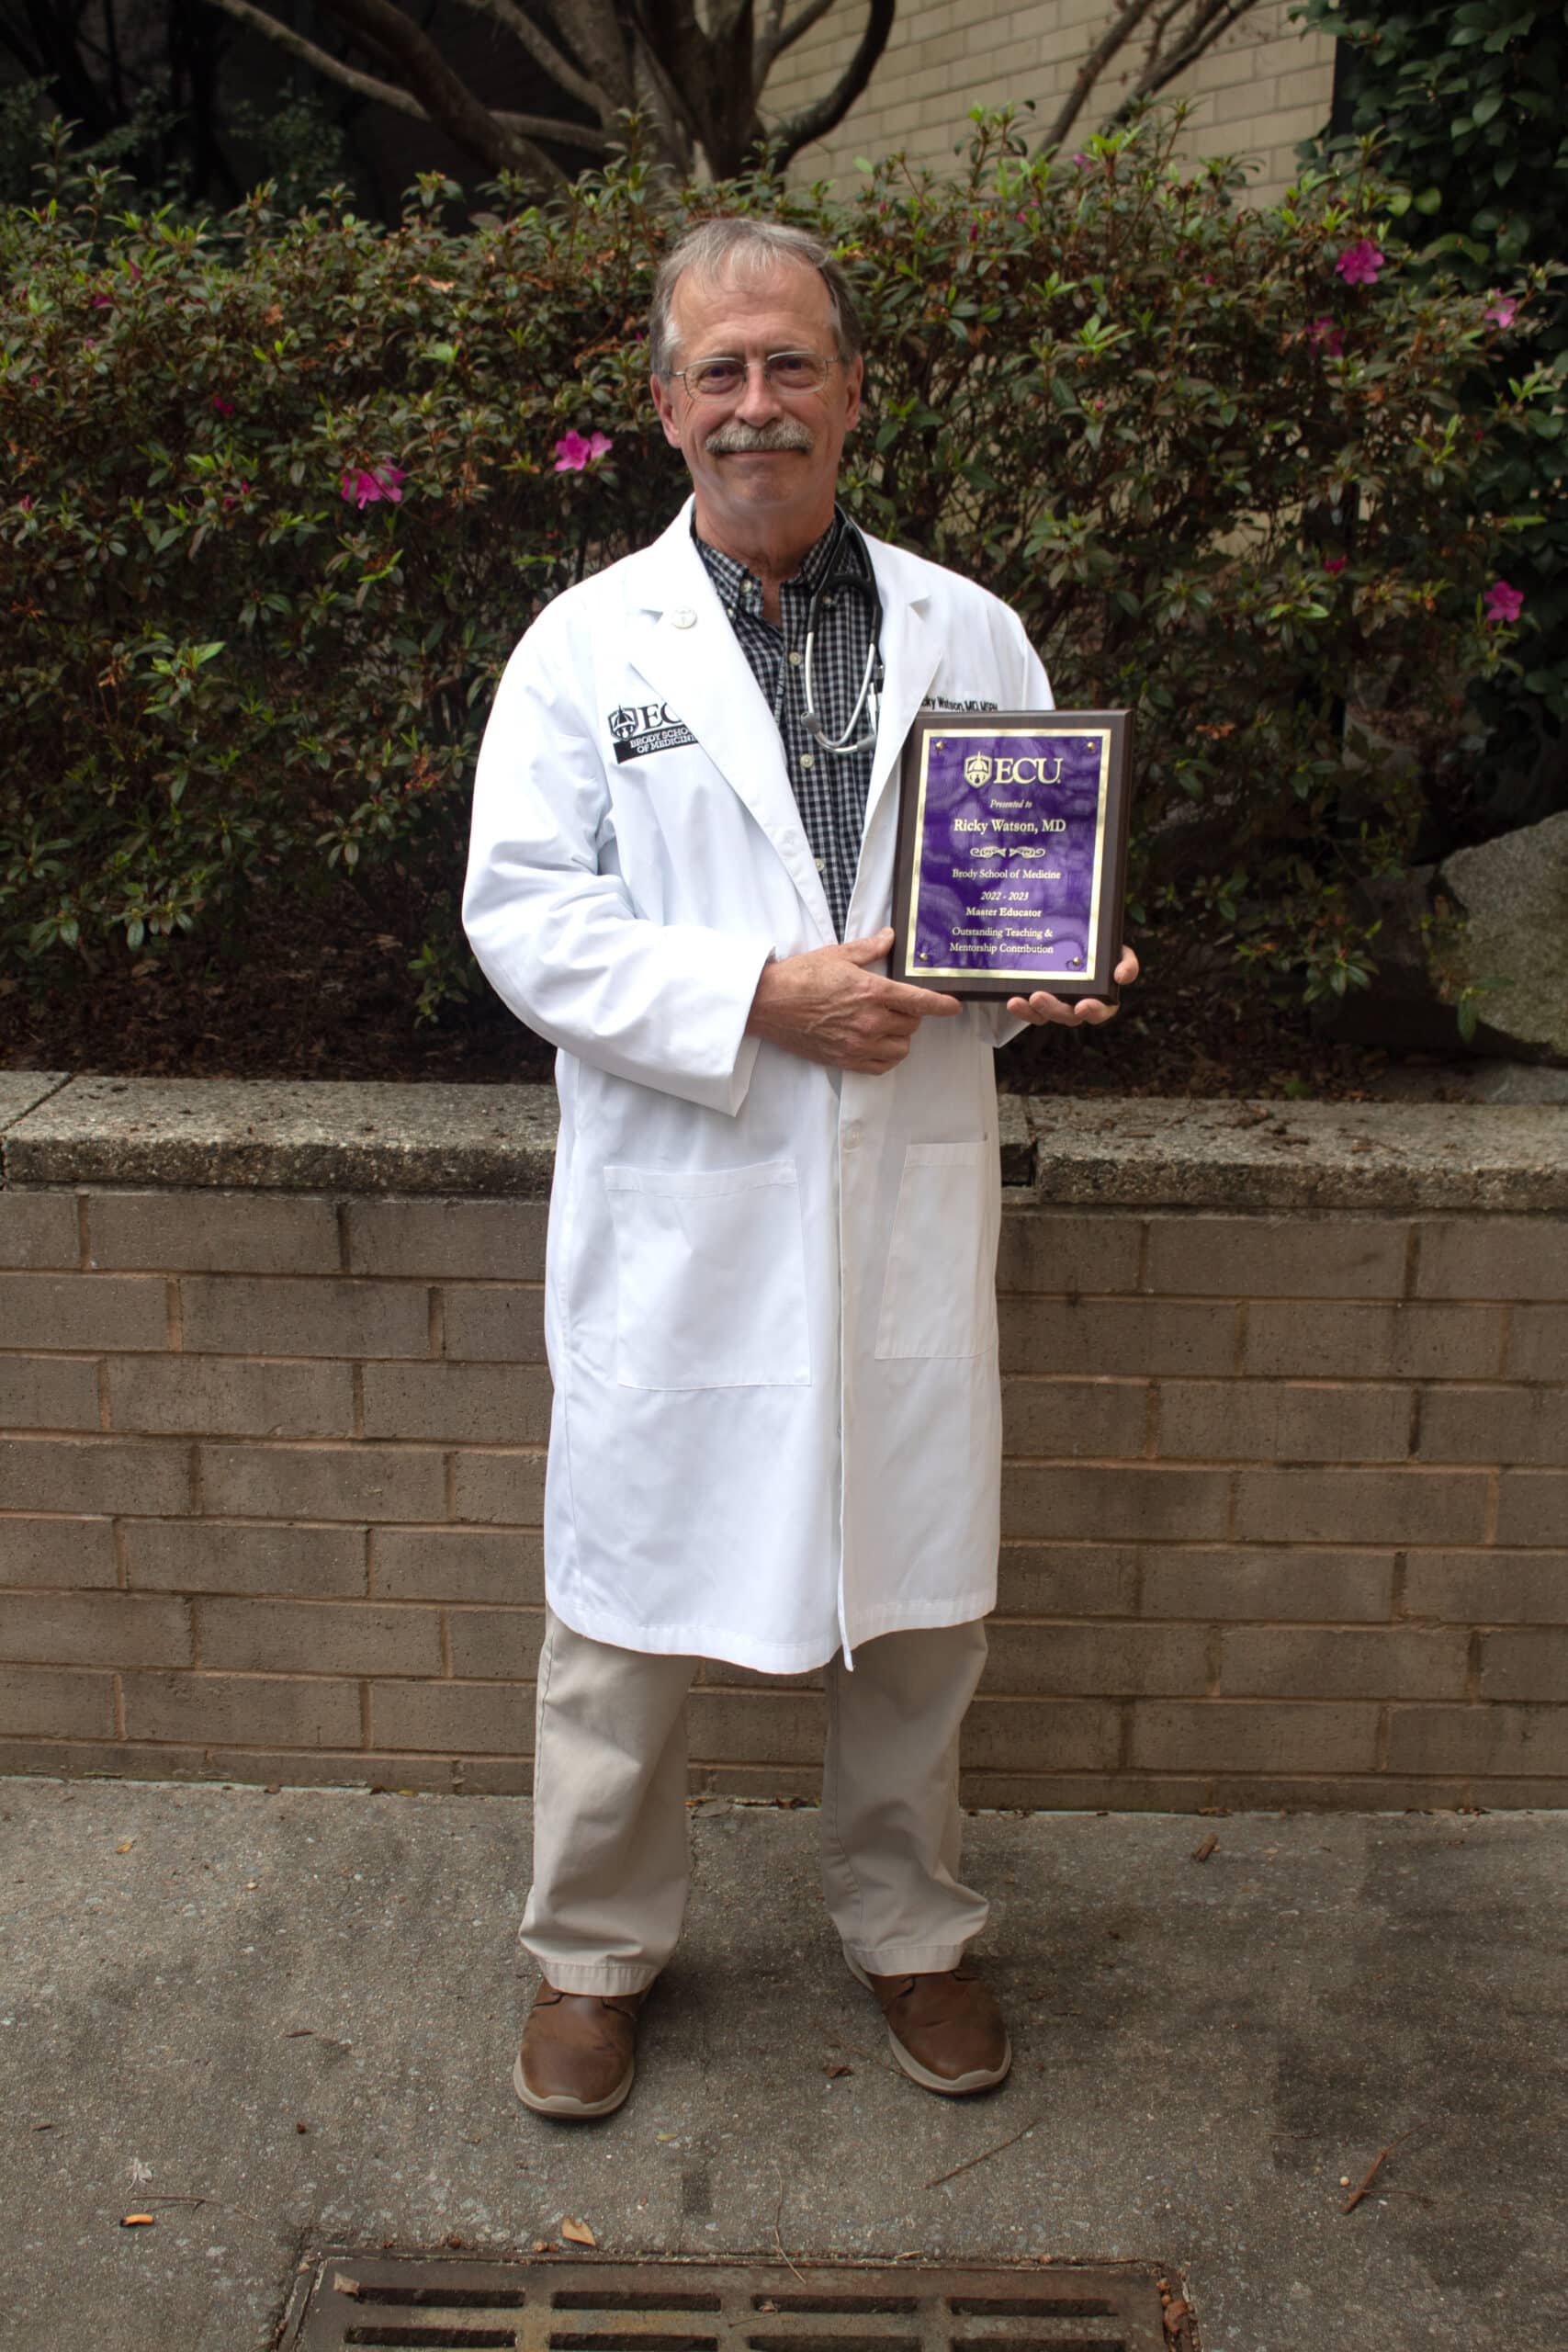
(897, 996)
(871, 949)
(1126, 971)
(1042, 1008)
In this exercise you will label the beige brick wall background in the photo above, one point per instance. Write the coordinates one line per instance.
(1285, 1509)
(1265, 86)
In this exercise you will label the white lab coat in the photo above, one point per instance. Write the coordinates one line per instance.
(770, 1304)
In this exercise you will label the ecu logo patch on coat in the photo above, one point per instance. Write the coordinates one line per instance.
(638, 728)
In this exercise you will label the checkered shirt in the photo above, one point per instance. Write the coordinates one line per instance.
(830, 787)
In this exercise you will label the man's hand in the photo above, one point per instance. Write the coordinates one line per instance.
(827, 1006)
(1086, 1012)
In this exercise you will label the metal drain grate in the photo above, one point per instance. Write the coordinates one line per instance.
(381, 2301)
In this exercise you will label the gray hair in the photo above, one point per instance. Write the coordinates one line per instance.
(736, 241)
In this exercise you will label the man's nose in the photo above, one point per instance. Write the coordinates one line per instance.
(759, 403)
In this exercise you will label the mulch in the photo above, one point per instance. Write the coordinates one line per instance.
(334, 1002)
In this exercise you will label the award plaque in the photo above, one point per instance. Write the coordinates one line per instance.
(1012, 851)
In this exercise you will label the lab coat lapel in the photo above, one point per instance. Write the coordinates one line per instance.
(910, 653)
(682, 643)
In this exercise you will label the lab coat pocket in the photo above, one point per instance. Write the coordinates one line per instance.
(939, 1295)
(710, 1277)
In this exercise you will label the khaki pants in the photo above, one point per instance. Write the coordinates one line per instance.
(610, 1863)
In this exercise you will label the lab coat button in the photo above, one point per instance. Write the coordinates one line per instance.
(683, 617)
(853, 1134)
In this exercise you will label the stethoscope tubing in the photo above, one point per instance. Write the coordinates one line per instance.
(861, 580)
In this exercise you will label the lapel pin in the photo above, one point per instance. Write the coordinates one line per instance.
(683, 617)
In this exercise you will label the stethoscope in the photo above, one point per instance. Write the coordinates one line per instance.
(845, 578)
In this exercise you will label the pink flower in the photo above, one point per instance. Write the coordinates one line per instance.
(575, 453)
(1503, 313)
(220, 407)
(26, 502)
(1334, 563)
(1084, 162)
(1359, 264)
(103, 301)
(232, 497)
(1332, 338)
(1503, 603)
(362, 486)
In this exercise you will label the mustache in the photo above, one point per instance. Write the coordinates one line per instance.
(785, 432)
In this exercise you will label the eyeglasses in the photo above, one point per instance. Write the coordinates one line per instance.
(782, 372)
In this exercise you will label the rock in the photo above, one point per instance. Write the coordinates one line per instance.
(1493, 919)
(1513, 895)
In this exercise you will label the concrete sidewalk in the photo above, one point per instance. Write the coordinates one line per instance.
(190, 1974)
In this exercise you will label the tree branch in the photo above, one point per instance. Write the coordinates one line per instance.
(1116, 35)
(1212, 23)
(778, 37)
(490, 138)
(666, 102)
(546, 126)
(596, 33)
(448, 102)
(815, 121)
(368, 86)
(541, 48)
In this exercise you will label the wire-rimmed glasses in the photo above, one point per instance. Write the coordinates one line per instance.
(723, 375)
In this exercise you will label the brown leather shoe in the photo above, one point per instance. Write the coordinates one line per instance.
(579, 2052)
(946, 2031)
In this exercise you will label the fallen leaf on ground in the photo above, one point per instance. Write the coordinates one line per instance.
(138, 2220)
(835, 2069)
(667, 2135)
(578, 2233)
(346, 2287)
(125, 1845)
(545, 2245)
(1202, 1853)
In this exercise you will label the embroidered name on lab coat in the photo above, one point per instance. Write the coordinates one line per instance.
(638, 728)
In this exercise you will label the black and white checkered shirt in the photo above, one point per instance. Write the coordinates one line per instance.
(830, 787)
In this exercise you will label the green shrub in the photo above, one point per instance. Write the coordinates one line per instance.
(1467, 108)
(284, 491)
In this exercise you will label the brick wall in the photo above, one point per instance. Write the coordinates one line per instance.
(1285, 1508)
(1264, 87)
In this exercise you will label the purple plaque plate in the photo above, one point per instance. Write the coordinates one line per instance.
(1012, 851)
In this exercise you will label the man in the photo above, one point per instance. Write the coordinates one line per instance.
(769, 1284)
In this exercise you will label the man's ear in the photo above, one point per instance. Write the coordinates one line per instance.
(666, 407)
(854, 378)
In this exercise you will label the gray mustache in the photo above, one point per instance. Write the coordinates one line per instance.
(785, 432)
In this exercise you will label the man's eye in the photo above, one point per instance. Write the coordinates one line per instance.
(793, 370)
(716, 376)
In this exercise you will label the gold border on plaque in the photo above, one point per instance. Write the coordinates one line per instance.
(1032, 972)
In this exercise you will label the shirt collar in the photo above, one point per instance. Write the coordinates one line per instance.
(740, 590)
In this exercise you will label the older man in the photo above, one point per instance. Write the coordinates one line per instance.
(769, 1285)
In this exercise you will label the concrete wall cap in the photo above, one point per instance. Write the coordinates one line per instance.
(21, 1091)
(499, 1141)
